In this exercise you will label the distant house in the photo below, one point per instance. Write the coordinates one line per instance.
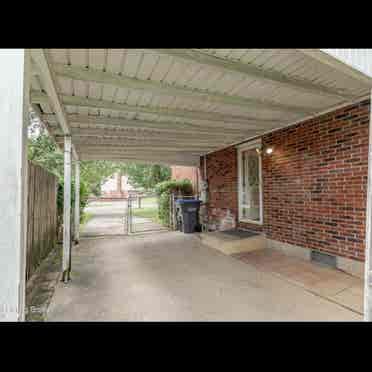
(190, 173)
(116, 187)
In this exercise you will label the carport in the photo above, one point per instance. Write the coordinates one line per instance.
(162, 106)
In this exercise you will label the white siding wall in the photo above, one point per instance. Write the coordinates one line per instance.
(360, 59)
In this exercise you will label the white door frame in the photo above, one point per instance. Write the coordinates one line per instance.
(247, 146)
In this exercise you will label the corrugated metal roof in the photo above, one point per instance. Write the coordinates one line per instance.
(165, 93)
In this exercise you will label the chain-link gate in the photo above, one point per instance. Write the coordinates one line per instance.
(142, 215)
(128, 223)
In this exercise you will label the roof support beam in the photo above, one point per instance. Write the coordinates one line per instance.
(79, 133)
(169, 147)
(141, 142)
(243, 121)
(146, 145)
(140, 154)
(138, 149)
(159, 126)
(172, 159)
(40, 60)
(131, 140)
(182, 160)
(248, 70)
(101, 77)
(132, 134)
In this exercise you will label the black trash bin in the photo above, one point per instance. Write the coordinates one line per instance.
(189, 210)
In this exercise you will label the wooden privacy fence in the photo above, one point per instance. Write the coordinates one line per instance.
(42, 216)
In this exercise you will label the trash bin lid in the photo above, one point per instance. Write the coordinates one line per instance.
(184, 201)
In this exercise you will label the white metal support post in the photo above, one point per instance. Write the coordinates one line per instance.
(66, 262)
(368, 252)
(14, 102)
(77, 201)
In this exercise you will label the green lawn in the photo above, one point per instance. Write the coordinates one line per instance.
(149, 212)
(145, 202)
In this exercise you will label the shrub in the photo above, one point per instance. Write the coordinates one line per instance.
(84, 194)
(164, 190)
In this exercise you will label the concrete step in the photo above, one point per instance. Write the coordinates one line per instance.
(229, 244)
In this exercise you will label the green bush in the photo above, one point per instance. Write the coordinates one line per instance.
(164, 190)
(84, 194)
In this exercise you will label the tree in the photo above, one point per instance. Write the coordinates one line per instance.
(42, 150)
(94, 173)
(145, 176)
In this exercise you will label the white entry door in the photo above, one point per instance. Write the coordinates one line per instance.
(250, 183)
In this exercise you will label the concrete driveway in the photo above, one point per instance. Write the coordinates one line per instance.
(171, 276)
(108, 219)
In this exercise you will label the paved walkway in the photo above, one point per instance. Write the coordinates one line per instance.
(332, 284)
(107, 219)
(171, 276)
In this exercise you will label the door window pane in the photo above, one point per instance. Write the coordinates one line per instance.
(250, 185)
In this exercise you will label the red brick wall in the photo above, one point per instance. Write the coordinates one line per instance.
(314, 183)
(191, 173)
(222, 183)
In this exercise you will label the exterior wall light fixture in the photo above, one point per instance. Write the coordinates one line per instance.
(258, 150)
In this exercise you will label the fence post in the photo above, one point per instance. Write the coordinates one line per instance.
(131, 216)
(127, 218)
(171, 211)
(174, 216)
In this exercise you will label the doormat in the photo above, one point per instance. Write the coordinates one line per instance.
(240, 233)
